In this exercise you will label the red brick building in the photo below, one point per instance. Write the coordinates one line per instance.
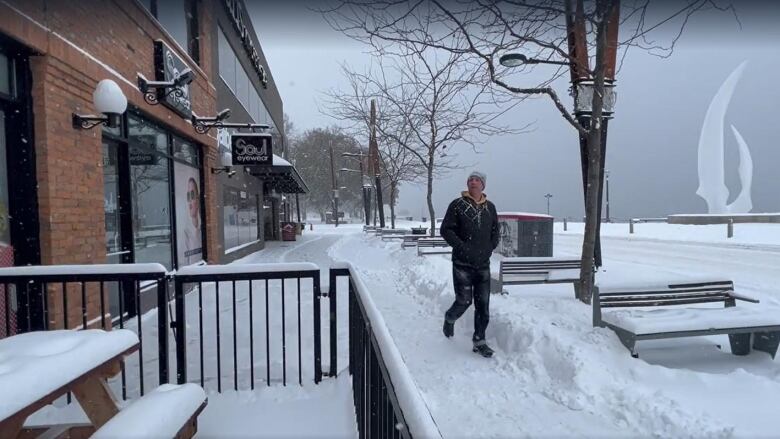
(151, 189)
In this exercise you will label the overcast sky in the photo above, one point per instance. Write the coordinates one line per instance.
(652, 142)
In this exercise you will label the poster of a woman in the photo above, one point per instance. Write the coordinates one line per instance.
(188, 215)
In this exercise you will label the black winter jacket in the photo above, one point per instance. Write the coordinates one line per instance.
(471, 229)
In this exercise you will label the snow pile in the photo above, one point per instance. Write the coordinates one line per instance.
(161, 412)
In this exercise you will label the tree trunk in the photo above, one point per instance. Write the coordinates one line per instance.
(429, 196)
(392, 204)
(593, 187)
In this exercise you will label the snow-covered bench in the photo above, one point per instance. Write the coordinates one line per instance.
(432, 246)
(411, 240)
(649, 318)
(367, 228)
(393, 233)
(537, 270)
(169, 411)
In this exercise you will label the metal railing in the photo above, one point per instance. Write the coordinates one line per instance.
(45, 292)
(387, 402)
(244, 283)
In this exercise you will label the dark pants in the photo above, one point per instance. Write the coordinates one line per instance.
(471, 284)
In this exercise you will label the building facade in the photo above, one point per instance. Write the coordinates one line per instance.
(151, 188)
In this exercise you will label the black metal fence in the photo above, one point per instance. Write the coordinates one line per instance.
(46, 296)
(235, 291)
(382, 409)
(378, 410)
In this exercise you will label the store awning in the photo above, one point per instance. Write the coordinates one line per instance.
(281, 177)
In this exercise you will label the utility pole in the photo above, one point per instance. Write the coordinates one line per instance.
(373, 153)
(335, 187)
(548, 196)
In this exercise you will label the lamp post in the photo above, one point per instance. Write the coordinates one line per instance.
(582, 90)
(606, 177)
(548, 196)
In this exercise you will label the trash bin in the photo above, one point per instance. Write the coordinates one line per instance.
(525, 234)
(288, 231)
(299, 228)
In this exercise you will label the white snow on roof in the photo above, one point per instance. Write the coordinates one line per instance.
(245, 268)
(58, 270)
(278, 161)
(159, 413)
(34, 364)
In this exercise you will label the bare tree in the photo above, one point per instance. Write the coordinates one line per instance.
(560, 32)
(395, 138)
(428, 103)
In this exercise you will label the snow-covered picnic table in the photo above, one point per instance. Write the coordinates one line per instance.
(36, 368)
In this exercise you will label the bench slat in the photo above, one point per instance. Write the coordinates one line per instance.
(662, 302)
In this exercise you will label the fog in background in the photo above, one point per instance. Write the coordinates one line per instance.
(652, 141)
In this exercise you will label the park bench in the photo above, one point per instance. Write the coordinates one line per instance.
(386, 234)
(411, 240)
(369, 229)
(432, 246)
(169, 411)
(649, 318)
(537, 270)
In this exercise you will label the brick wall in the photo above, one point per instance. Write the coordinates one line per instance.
(77, 44)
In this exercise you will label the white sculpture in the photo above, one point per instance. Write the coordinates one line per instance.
(712, 184)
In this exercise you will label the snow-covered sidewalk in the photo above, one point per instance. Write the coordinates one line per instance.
(554, 375)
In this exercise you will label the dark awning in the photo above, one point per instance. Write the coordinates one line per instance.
(281, 176)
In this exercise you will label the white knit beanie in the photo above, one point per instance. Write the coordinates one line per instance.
(481, 176)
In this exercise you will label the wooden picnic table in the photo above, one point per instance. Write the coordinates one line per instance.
(37, 368)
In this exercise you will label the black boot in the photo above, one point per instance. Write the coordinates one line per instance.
(483, 349)
(448, 329)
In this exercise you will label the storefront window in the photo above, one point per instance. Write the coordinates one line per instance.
(240, 215)
(142, 132)
(114, 250)
(6, 76)
(150, 189)
(188, 196)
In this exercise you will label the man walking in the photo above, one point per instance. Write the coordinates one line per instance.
(470, 226)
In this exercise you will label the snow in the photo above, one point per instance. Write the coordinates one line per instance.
(278, 161)
(752, 235)
(553, 375)
(245, 268)
(160, 413)
(34, 364)
(652, 321)
(528, 214)
(93, 269)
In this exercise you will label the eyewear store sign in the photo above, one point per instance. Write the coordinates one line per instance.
(167, 67)
(251, 149)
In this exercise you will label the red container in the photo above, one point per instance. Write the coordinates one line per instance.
(288, 231)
